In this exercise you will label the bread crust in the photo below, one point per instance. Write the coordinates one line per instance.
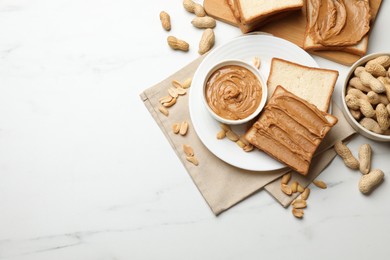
(235, 12)
(353, 49)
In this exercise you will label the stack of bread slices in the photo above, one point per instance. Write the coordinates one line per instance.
(347, 22)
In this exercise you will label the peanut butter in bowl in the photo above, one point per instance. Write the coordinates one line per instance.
(338, 23)
(234, 92)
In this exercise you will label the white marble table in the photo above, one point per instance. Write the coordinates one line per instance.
(85, 173)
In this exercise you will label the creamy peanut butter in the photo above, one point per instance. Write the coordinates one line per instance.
(233, 92)
(290, 129)
(339, 22)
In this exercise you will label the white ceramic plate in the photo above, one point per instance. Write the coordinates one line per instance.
(245, 48)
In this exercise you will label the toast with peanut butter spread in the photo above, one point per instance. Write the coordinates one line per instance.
(290, 129)
(337, 25)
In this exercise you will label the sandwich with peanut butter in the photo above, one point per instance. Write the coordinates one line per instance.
(337, 25)
(290, 129)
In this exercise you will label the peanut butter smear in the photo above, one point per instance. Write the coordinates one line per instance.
(290, 129)
(339, 22)
(233, 92)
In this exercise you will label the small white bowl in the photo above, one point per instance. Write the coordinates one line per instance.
(352, 121)
(259, 77)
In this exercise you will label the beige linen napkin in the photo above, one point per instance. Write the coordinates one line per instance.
(221, 184)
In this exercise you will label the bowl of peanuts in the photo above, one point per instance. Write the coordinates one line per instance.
(366, 96)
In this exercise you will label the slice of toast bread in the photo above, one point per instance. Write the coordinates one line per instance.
(290, 129)
(251, 15)
(315, 85)
(256, 10)
(309, 44)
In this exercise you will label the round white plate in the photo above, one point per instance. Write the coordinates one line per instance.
(245, 48)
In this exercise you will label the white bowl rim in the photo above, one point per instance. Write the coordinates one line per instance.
(258, 75)
(362, 60)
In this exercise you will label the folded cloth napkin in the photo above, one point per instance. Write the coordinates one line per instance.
(223, 185)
